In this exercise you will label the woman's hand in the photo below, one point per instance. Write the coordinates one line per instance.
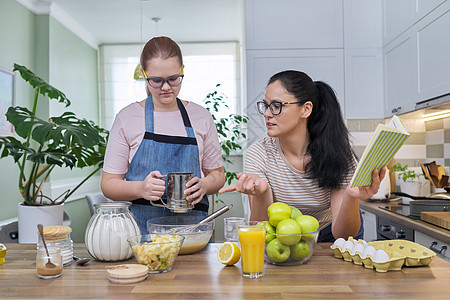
(248, 183)
(366, 192)
(196, 190)
(152, 188)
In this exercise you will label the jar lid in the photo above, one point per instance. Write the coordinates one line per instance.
(127, 273)
(57, 232)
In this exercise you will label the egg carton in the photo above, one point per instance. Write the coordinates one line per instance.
(382, 256)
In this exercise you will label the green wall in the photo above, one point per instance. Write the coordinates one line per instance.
(56, 54)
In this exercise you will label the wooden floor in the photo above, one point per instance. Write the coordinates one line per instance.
(201, 276)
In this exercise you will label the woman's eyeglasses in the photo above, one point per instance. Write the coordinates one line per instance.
(157, 82)
(275, 106)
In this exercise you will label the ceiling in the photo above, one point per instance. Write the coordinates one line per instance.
(119, 21)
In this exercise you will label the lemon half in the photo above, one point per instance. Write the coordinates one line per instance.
(2, 253)
(228, 253)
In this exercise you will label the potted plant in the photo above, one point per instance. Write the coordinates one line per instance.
(231, 130)
(409, 183)
(62, 141)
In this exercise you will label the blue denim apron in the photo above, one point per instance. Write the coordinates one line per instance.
(164, 153)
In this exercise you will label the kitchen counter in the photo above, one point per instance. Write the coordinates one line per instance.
(201, 276)
(437, 232)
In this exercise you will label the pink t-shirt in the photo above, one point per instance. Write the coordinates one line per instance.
(128, 131)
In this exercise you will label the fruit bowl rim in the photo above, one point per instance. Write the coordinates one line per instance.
(131, 242)
(312, 232)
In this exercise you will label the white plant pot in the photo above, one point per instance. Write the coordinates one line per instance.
(411, 188)
(30, 216)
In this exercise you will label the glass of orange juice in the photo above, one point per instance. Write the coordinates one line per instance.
(252, 238)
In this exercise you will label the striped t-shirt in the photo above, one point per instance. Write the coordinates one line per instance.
(289, 185)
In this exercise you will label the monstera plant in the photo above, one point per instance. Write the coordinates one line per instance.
(44, 144)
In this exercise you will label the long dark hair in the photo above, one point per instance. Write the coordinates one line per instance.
(331, 154)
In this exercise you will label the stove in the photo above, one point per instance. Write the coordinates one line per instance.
(388, 229)
(401, 209)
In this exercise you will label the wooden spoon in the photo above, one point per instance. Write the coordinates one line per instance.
(49, 264)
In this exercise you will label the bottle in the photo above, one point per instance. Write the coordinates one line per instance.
(49, 266)
(108, 230)
(58, 236)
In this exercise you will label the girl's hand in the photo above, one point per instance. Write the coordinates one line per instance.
(195, 190)
(366, 192)
(248, 183)
(152, 188)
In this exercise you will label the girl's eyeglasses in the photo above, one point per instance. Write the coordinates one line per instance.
(157, 82)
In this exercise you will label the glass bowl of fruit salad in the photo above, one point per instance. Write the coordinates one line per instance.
(156, 251)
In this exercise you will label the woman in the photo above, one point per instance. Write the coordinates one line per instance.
(306, 161)
(162, 134)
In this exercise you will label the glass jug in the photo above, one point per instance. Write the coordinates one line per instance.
(108, 230)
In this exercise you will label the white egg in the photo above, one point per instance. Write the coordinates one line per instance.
(348, 245)
(380, 256)
(358, 248)
(369, 251)
(339, 243)
(363, 242)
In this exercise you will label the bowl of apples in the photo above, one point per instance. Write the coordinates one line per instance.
(290, 235)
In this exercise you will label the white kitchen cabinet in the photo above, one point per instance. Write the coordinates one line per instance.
(399, 15)
(370, 226)
(320, 64)
(363, 63)
(400, 76)
(293, 24)
(433, 51)
(417, 60)
(442, 249)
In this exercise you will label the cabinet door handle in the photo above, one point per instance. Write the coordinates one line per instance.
(396, 110)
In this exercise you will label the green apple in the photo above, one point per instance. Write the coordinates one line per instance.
(269, 229)
(300, 250)
(278, 211)
(289, 232)
(277, 251)
(295, 212)
(308, 224)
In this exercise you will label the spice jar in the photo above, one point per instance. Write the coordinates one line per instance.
(49, 266)
(108, 230)
(58, 237)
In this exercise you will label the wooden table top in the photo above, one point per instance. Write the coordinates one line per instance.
(201, 276)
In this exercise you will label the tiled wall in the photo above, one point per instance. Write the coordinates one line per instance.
(428, 141)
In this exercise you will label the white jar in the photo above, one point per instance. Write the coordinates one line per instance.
(108, 230)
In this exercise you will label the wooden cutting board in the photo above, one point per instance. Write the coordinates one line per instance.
(438, 218)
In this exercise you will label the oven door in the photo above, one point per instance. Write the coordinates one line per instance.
(390, 230)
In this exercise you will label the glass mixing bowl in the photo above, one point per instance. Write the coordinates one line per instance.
(196, 236)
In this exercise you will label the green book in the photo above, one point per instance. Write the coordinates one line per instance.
(384, 144)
